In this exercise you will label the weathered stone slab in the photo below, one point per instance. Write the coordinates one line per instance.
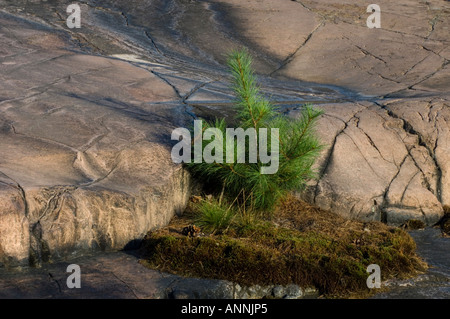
(85, 154)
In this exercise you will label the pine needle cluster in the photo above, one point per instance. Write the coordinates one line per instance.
(298, 145)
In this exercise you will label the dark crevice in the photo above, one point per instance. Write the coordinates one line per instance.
(374, 170)
(292, 55)
(329, 155)
(407, 127)
(56, 281)
(153, 42)
(386, 192)
(328, 160)
(177, 92)
(195, 89)
(126, 284)
(372, 143)
(407, 186)
(125, 17)
(367, 53)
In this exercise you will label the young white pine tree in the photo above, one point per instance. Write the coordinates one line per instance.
(298, 144)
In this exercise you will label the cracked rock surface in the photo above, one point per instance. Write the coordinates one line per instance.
(86, 114)
(85, 164)
(377, 166)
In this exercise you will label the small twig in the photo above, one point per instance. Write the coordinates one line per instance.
(221, 194)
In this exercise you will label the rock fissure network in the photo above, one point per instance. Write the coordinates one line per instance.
(86, 114)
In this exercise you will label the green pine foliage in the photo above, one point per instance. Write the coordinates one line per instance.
(298, 144)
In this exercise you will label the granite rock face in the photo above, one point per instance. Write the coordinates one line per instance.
(85, 162)
(86, 114)
(376, 166)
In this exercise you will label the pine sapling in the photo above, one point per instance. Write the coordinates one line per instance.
(297, 145)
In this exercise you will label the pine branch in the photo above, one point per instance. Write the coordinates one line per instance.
(244, 87)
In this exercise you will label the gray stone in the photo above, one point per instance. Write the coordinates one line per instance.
(293, 292)
(278, 292)
(196, 288)
(398, 216)
(379, 163)
(290, 291)
(121, 275)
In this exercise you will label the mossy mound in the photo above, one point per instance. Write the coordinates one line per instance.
(300, 244)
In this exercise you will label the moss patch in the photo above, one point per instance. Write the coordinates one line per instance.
(444, 223)
(300, 244)
(414, 224)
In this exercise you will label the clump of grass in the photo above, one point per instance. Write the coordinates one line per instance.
(216, 216)
(213, 216)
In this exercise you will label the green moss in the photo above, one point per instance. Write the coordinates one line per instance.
(267, 254)
(414, 224)
(313, 248)
(444, 223)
